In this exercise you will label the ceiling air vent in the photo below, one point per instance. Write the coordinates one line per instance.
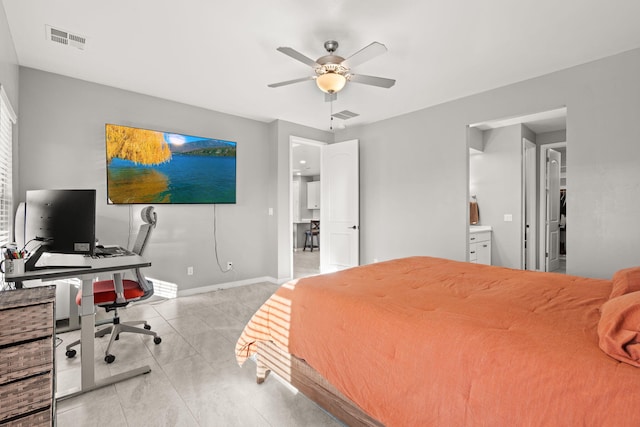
(66, 38)
(345, 115)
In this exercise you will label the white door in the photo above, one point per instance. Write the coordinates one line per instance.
(553, 210)
(340, 201)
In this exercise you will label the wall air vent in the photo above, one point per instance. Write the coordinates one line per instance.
(66, 38)
(345, 115)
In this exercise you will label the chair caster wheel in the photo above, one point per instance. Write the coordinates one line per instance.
(109, 358)
(71, 353)
(157, 340)
(147, 327)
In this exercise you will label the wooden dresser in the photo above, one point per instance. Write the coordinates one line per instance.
(27, 357)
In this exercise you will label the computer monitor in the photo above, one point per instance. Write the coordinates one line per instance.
(62, 221)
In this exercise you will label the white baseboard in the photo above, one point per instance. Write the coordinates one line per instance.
(228, 285)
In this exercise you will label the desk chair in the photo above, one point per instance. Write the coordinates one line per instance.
(111, 295)
(313, 231)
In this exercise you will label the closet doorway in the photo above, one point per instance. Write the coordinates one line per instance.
(553, 207)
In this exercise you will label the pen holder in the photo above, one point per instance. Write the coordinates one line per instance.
(12, 267)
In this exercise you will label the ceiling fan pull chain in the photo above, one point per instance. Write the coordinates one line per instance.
(331, 115)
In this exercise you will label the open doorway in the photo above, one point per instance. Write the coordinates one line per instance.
(507, 180)
(304, 171)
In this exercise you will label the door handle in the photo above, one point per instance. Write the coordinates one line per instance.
(355, 227)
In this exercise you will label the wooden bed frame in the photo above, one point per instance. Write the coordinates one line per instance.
(309, 382)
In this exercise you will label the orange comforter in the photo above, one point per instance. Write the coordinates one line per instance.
(431, 342)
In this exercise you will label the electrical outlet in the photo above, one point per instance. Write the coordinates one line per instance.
(229, 265)
(190, 271)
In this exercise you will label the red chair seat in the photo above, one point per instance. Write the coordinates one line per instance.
(104, 291)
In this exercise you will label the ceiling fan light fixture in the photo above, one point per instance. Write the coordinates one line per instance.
(331, 82)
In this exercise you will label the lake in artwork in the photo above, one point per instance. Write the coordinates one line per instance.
(157, 167)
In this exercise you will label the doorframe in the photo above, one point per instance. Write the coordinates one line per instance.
(542, 205)
(529, 177)
(304, 141)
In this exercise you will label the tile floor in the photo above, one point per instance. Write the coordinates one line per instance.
(306, 263)
(563, 265)
(194, 379)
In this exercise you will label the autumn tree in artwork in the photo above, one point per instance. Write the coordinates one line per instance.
(141, 146)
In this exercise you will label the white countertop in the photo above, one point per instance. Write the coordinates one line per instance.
(479, 228)
(305, 221)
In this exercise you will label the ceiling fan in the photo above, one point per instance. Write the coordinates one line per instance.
(332, 72)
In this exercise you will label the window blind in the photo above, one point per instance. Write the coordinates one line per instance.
(7, 120)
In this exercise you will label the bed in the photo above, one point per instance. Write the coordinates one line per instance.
(428, 341)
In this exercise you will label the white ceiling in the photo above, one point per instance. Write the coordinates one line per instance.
(221, 55)
(305, 159)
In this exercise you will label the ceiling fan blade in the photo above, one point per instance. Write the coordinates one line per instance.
(365, 54)
(373, 81)
(289, 82)
(298, 56)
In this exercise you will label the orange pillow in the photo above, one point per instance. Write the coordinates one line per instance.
(625, 281)
(619, 328)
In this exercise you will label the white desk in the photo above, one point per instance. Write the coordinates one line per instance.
(114, 265)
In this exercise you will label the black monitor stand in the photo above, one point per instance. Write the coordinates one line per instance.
(30, 263)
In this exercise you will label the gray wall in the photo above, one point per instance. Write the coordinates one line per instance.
(8, 62)
(414, 175)
(413, 185)
(496, 179)
(62, 144)
(9, 79)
